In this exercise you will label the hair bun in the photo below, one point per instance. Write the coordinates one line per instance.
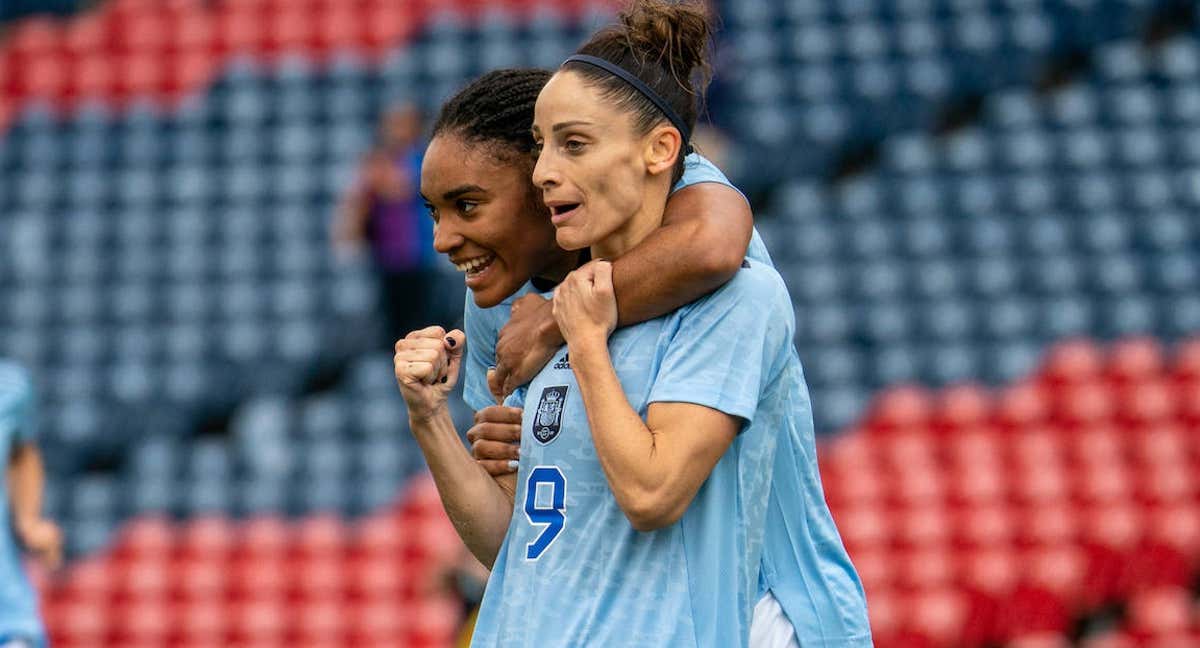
(679, 31)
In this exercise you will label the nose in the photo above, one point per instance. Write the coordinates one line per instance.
(446, 236)
(545, 171)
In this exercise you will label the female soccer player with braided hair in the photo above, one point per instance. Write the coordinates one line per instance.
(492, 224)
(709, 483)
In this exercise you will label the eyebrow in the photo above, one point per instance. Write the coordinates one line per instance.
(458, 191)
(567, 124)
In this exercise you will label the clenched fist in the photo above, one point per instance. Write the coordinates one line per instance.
(43, 539)
(427, 363)
(585, 304)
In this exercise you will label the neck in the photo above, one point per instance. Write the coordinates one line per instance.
(648, 218)
(561, 264)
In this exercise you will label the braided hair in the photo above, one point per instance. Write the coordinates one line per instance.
(496, 109)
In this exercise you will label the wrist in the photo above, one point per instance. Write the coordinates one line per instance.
(587, 345)
(548, 332)
(424, 414)
(26, 523)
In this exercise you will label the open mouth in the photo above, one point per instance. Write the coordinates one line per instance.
(559, 213)
(477, 266)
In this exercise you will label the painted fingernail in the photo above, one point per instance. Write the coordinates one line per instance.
(445, 378)
(451, 341)
(514, 464)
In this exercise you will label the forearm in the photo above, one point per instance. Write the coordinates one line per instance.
(626, 447)
(26, 482)
(654, 278)
(700, 246)
(476, 504)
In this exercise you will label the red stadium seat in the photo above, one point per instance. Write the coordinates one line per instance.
(1161, 445)
(925, 525)
(974, 487)
(876, 567)
(1033, 609)
(1111, 536)
(321, 578)
(1147, 403)
(202, 621)
(341, 27)
(1072, 362)
(920, 485)
(1097, 484)
(1109, 640)
(1022, 406)
(207, 538)
(321, 536)
(201, 580)
(961, 407)
(992, 525)
(1185, 366)
(939, 615)
(1177, 526)
(241, 29)
(1041, 640)
(1161, 611)
(319, 623)
(259, 621)
(1085, 404)
(1052, 523)
(900, 408)
(924, 569)
(1061, 569)
(864, 527)
(259, 578)
(265, 536)
(1168, 484)
(1135, 360)
(1041, 484)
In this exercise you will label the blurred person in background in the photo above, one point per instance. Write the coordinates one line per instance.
(21, 508)
(383, 210)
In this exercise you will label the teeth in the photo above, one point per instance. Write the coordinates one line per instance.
(470, 265)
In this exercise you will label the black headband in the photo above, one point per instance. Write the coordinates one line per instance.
(647, 91)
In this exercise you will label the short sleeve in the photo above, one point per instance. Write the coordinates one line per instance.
(727, 347)
(18, 406)
(698, 169)
(482, 332)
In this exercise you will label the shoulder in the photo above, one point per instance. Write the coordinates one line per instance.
(698, 169)
(755, 295)
(13, 377)
(755, 282)
(16, 388)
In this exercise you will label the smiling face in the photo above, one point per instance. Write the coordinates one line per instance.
(598, 175)
(488, 219)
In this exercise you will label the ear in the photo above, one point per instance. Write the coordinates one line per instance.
(664, 145)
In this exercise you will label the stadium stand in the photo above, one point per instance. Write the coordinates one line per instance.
(994, 199)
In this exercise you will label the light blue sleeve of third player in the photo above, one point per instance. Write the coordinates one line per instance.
(727, 346)
(698, 169)
(18, 409)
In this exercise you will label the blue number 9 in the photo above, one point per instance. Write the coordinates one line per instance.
(554, 516)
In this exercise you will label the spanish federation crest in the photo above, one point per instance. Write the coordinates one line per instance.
(549, 413)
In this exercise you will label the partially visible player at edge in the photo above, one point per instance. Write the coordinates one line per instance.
(21, 512)
(829, 632)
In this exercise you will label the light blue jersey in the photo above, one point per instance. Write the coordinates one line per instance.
(804, 563)
(482, 326)
(572, 570)
(18, 601)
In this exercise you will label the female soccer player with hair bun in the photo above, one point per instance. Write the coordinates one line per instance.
(647, 454)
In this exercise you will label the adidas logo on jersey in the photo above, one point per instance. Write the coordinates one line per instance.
(563, 362)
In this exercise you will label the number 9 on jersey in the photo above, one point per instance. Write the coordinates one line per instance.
(550, 480)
